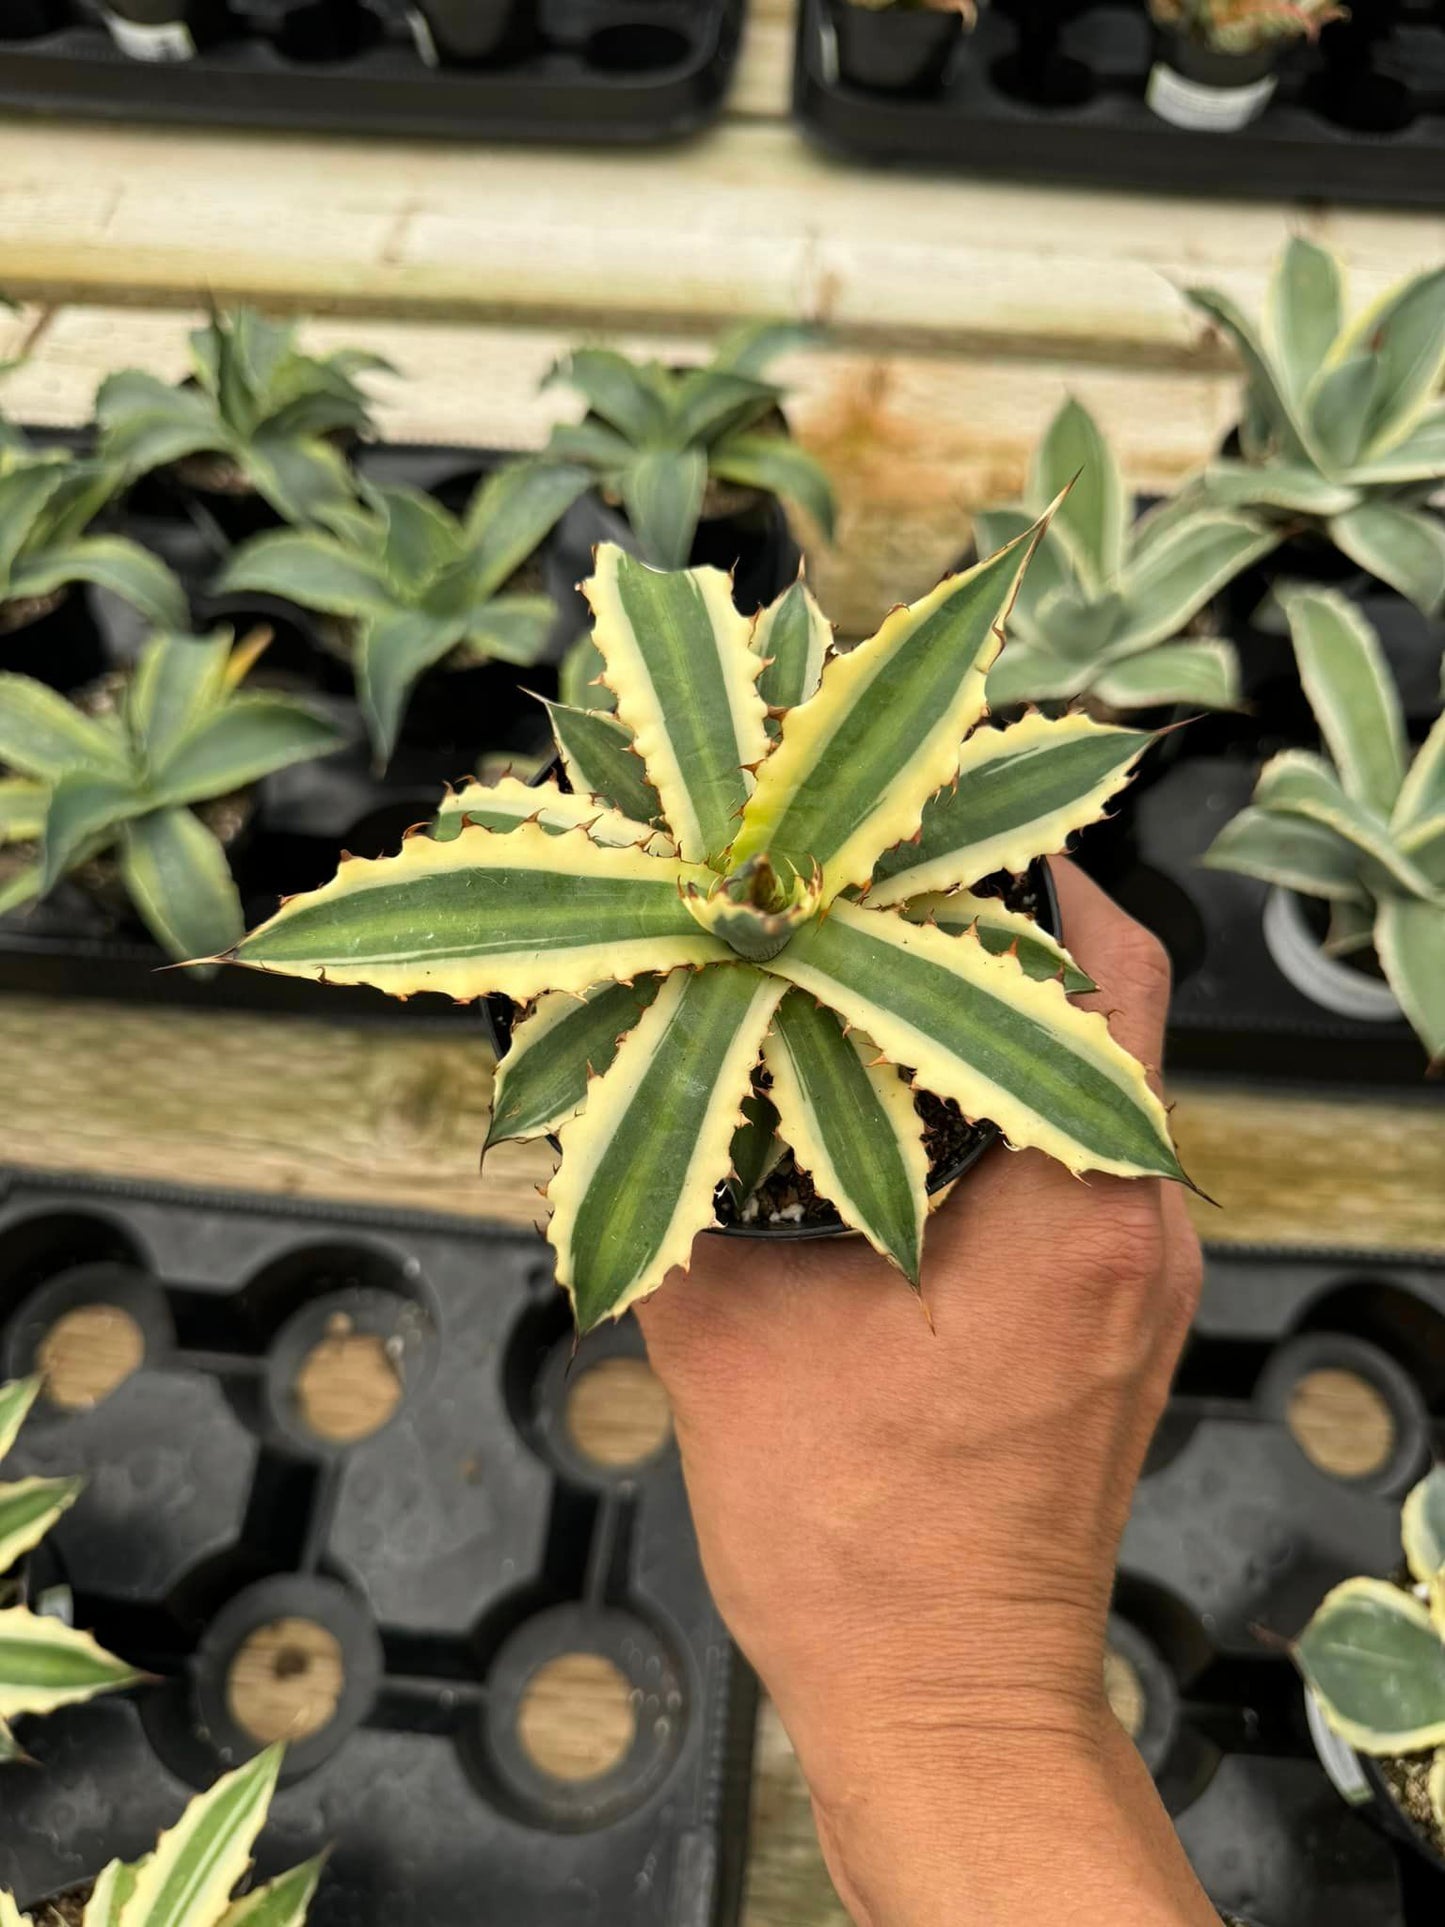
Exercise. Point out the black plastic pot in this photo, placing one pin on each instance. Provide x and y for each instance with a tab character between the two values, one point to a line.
1392	1819
1199	87
165	30
63	646
894	50
476	30
31	19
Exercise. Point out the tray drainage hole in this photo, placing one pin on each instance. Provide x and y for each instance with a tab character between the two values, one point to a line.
285	1681
617	1413
643	49
577	1719
1125	1693
1341	1423
87	1354
347	1386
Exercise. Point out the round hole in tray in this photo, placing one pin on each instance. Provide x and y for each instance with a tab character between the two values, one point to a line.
86	1331
1124	1691
87	1354
617	1413
326	31
1363	102
637	47
1057	82
347	1385
576	1720
1341	1422
285	1680
1356	1413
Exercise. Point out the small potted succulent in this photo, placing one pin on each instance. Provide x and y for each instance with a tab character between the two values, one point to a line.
135	793
1216	59
256	431
406	585
48	502
786	914
690	462
897	46
189	1877
1106	608
1354	845
164	29
1373	1658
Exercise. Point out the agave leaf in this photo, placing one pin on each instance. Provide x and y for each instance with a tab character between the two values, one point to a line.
110	562
978	1029
176	874
1204	673
422	539
542	1080
196	1863
24	492
83	806
677	656
305	481
748	348
793	637
1375	1662
312	569
517	913
601	762
838	789
756	1150
1091	516
1024	675
253	735
10	1914
1277	485
1296	783
579	680
1289	851
1047	572
502	805
28	1509
177	682
1171	581
1351	928
593	444
1422	1526
114	1885
1345	676
1000	929
853	1127
16	1399
1267	389
43	736
392	650
1410	939
1406	330
1075	628
281	1902
754	909
45	1663
1422	794
510	628
1404	547
512	513
711	402
775	463
1303	313
1021	792
616	389
641	1163
1420	457
22	809
145	422
662	491
1340	412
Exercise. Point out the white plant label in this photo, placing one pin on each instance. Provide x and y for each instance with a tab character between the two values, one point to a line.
421	33
169	41
1207	110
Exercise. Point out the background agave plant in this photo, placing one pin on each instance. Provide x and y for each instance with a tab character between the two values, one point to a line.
1374	1653
188	1878
47	504
264	409
1367	832
44	1663
654	436
418	584
1104	601
1239	26
181	734
702	890
1343	426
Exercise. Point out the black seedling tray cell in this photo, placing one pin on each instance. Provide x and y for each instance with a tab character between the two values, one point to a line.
451	1555
619	72
1054	90
1234	1538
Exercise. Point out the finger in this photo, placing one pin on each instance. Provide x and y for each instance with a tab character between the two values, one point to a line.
1126	961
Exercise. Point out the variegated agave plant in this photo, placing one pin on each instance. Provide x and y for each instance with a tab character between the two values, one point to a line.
1239	26
1374	1653
188	1878
1365	832
701	896
44	1663
1343	427
1102	607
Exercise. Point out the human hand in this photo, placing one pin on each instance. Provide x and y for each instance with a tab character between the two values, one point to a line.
912	1533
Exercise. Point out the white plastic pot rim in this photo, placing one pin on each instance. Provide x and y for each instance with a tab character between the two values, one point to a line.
1326	981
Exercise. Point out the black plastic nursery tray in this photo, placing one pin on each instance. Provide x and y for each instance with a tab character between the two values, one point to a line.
1235	1534
1055	90
452	1556
615	71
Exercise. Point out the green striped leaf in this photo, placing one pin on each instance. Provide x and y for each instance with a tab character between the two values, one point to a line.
616	389
1375	1661
1000	930
662	491
1205	674
1351	927
250	737
503	805
852	1125
1303	312
1276	485
1420	457
1268	392
509	628
601	762
1168	583
554	1052
1091	519
1403	547
1021	792
177	875
44	1664
1410	939
855	765
1296	783
776	464
110	562
678	659
1405	329
517	913
16	1399
1422	794
978	1029
311	569
28	1509
392	650
281	1902
1340	412
1048	571
1024	675
642	1161
196	1863
1344	674
114	1885
793	637
25	489
1422	1527
83	808
44	736
512	513
756	1149
177	682
1289	851
22	809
